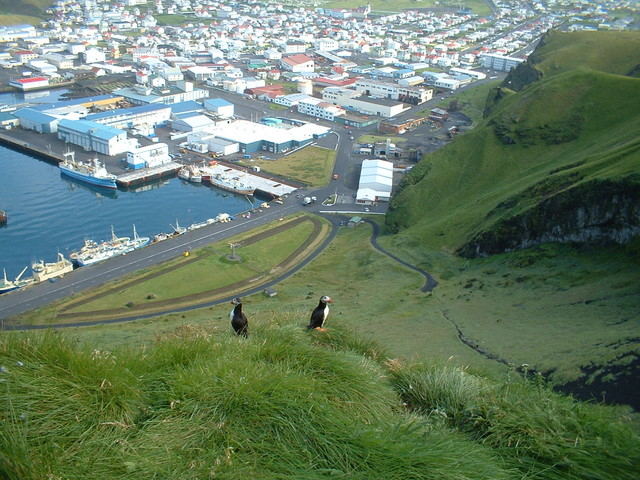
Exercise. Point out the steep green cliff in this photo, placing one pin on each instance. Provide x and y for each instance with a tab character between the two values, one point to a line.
556	158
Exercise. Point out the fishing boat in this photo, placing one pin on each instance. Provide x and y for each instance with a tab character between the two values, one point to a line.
9	285
137	241
44	271
92	172
3	217
178	230
190	173
230	183
93	252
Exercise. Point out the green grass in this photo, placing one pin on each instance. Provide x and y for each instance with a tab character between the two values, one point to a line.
12	19
275	106
479	7
211	270
471	101
574	128
204	276
285	403
379	138
611	52
166	19
311	165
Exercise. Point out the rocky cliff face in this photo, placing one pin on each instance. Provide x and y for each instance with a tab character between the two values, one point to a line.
593	212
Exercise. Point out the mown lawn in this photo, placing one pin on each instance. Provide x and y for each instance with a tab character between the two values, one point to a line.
311	165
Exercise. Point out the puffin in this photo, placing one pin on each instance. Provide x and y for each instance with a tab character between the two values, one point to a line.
238	318
320	314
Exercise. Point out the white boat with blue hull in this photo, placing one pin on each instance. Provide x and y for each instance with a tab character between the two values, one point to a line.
9	285
92	172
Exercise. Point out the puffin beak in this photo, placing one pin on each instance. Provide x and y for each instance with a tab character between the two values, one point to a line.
330	300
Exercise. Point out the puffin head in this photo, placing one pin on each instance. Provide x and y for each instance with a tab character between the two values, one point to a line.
236	301
326	299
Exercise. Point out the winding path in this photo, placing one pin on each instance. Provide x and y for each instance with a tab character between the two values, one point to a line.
429	284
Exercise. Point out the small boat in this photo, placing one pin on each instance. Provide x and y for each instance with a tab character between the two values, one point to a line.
178	230
44	271
231	184
195	226
3	217
9	285
160	237
138	242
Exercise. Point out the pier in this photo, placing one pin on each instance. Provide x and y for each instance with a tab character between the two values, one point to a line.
21	145
145	175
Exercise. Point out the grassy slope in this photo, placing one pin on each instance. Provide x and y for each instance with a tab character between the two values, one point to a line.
286	404
573	116
12	12
613	52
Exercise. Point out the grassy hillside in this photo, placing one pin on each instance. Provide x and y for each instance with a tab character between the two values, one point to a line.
287	403
32	8
559	140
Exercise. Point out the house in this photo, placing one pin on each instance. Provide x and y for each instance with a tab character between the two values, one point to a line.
297	63
318	108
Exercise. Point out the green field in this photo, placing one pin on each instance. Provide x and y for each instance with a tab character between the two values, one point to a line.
379	138
311	165
174	19
479	7
205	275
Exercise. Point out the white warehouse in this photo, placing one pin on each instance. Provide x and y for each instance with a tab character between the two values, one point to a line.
376	181
148	156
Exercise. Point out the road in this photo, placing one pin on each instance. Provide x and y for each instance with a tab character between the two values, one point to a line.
347	166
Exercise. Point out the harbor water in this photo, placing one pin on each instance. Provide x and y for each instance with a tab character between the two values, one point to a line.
49	213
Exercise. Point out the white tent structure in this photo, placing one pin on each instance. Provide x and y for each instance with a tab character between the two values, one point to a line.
376	181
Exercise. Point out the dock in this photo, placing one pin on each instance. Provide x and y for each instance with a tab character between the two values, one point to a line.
144	175
261	185
16	143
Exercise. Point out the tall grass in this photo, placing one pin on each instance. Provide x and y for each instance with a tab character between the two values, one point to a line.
196	405
285	403
544	434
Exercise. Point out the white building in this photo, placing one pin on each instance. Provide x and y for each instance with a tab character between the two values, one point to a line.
219	107
393	91
43	67
94	55
318	108
64	62
500	62
152	115
290	100
213	143
193	123
326	44
149	156
94	137
297	63
471	73
376	182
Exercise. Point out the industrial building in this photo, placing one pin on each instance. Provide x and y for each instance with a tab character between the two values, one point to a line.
213	143
149	156
219	107
31	83
141	95
95	137
32	119
152	115
254	137
376	182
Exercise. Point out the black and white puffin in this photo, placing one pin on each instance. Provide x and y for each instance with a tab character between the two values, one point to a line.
320	314
238	318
